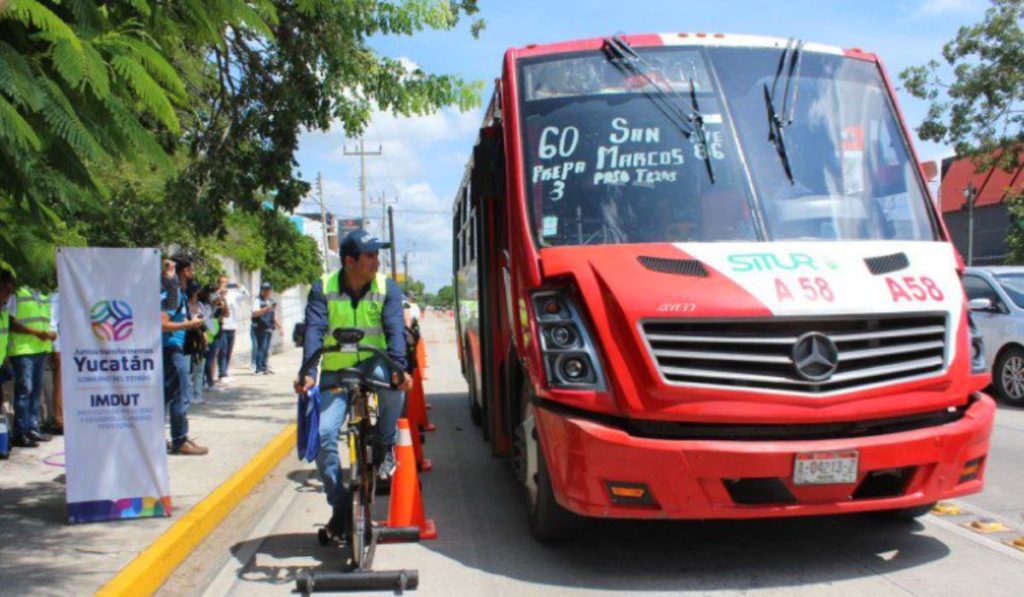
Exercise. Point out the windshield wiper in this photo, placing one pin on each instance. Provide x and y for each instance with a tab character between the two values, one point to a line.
690	121
778	120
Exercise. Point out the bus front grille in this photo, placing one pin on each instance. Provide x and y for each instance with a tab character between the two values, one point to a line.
810	355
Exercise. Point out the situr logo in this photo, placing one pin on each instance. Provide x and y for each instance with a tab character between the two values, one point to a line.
766	262
111	320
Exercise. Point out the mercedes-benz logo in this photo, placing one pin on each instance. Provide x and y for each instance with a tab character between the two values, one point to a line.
815	356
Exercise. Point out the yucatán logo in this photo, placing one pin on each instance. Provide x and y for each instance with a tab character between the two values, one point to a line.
815	356
112	320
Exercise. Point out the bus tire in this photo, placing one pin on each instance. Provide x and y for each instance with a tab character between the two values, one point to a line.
549	521
475	412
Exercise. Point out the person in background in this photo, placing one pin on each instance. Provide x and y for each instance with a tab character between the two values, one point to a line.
214	320
31	342
264	322
174	322
229	325
52	398
6	290
196	345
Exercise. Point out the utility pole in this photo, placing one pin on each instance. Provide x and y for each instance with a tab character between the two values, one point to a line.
323	218
391	237
362	153
405	266
970	194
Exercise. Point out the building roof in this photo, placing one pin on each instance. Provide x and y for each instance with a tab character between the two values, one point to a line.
992	185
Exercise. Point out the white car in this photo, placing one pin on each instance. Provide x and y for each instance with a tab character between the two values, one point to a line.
1001	323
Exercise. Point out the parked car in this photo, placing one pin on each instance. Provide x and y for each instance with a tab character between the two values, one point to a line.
996	294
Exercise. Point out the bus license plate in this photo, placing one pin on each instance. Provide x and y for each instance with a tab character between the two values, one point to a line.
825	468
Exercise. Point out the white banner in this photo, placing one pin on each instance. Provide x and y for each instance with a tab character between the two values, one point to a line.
112	373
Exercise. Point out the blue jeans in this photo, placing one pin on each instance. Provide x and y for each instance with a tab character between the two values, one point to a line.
196	368
28	385
260	349
212	355
226	348
333	408
177	392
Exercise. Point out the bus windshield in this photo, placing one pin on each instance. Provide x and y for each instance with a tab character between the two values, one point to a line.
611	155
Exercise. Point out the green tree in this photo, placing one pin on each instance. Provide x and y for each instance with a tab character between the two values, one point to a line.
188	107
445	297
292	258
980	112
87	87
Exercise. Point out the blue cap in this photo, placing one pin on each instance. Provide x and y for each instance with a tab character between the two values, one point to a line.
361	241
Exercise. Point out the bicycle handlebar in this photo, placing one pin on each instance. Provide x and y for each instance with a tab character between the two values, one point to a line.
393	367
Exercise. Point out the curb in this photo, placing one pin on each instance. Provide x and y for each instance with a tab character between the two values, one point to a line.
148	571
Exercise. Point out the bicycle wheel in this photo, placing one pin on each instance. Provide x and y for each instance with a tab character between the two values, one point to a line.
361	526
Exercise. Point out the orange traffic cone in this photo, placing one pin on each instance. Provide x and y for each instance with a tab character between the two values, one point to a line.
412	414
419	402
422	462
421	362
406	507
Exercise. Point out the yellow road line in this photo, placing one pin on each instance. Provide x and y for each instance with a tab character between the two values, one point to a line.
145	574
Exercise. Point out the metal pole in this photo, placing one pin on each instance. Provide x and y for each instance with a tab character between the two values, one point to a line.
362	153
323	220
970	229
391	237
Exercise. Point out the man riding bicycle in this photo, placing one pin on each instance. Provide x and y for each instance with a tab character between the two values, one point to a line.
356	296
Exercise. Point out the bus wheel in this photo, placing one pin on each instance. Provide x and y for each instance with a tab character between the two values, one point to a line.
475	412
549	522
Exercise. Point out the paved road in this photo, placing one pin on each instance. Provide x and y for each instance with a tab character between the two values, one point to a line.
484	548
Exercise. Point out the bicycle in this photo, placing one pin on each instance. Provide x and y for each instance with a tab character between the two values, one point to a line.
361	538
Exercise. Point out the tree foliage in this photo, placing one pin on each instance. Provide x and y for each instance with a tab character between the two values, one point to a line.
979	112
137	122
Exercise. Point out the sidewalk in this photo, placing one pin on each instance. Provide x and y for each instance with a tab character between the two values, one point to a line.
40	554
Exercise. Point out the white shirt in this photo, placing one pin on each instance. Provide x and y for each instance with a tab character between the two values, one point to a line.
233	299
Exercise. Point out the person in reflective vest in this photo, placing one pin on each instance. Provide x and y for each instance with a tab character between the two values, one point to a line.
355	296
6	290
31	341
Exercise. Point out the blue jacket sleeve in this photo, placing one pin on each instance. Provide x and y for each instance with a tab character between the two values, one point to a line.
316	323
394	323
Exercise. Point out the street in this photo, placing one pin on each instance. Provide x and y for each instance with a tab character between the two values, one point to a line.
484	547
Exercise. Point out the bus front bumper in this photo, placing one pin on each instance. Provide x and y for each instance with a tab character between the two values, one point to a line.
602	471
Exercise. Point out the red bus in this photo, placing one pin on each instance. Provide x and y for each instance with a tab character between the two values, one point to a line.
701	276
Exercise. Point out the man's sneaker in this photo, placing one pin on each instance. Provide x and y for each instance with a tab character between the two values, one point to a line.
38	437
388	465
226	379
336	525
191	448
24	441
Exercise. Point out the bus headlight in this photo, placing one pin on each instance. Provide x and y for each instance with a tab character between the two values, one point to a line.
570	360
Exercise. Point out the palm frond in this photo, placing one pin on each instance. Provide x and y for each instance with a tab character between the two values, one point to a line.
15	129
147	90
17	80
35	15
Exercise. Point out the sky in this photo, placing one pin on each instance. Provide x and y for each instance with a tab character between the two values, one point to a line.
423	159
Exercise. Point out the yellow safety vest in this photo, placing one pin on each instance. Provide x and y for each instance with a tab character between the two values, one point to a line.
5	327
367	317
33	311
